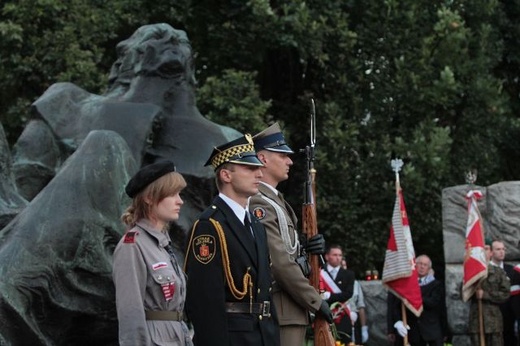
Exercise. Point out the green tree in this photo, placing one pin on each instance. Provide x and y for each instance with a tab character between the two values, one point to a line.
434	83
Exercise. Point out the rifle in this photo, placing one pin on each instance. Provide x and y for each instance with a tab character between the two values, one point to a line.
322	330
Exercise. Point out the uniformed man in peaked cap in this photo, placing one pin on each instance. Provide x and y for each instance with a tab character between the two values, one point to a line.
293	295
227	258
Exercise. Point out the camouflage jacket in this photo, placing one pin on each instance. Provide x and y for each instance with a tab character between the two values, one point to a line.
496	290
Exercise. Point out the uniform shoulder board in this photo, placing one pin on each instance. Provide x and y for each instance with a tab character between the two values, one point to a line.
208	213
130	237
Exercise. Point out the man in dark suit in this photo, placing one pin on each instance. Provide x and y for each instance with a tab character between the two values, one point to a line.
227	259
338	286
428	329
498	254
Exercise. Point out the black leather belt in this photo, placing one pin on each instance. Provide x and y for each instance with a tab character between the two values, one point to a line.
263	309
164	315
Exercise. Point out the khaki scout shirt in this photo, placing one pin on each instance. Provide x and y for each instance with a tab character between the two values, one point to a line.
141	267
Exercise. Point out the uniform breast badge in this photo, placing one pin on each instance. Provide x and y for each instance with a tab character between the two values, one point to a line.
259	212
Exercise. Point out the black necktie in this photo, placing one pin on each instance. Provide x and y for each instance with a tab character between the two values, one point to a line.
169	249
247	224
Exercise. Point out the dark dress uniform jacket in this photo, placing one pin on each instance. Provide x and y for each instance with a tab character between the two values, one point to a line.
208	287
345	281
430	325
508	314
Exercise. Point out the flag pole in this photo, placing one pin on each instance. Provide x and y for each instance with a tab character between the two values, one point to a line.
396	166
405	322
471	178
480	320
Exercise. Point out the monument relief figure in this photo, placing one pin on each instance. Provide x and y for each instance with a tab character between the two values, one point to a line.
151	96
72	162
11	203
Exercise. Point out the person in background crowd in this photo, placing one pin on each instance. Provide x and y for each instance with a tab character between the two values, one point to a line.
427	329
338	285
357	305
227	258
344	263
293	295
150	285
493	290
498	254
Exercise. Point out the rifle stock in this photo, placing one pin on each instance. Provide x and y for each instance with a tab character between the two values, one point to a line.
322	333
322	330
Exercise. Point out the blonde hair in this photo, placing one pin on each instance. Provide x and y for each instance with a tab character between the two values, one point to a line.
167	185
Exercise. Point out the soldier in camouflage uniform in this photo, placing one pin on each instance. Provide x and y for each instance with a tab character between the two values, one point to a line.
494	289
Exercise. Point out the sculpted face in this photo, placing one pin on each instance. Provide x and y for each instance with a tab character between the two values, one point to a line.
153	50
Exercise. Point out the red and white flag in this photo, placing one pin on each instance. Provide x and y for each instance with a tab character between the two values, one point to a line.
399	273
475	263
515	282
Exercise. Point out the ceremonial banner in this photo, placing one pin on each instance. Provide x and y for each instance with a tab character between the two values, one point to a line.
515	281
475	263
399	273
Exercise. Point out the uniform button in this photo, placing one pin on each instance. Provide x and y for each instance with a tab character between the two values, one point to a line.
258	291
270	289
213	207
169	278
260	317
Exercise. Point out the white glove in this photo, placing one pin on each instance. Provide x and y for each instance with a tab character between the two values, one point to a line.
325	295
353	317
401	328
364	334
